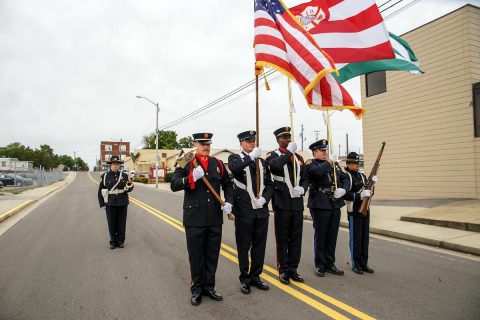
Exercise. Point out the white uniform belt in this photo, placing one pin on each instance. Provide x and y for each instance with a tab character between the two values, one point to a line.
278	178
239	184
116	191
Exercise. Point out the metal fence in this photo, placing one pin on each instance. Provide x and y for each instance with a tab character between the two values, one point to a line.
30	178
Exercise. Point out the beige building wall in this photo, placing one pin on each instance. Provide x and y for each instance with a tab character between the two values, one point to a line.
427	120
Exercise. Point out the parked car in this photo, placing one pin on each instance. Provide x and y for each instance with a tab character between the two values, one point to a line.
7	180
23	181
1	184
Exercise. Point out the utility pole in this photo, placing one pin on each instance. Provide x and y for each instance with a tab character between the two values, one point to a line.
339	149
75	160
347	143
316	134
301	136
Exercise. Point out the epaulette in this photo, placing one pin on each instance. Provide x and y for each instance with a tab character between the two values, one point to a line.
309	161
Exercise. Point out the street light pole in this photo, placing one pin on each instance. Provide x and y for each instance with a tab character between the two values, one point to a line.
156	138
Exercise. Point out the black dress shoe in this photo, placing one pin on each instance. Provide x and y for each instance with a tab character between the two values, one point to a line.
112	246
357	270
334	270
196	299
245	288
296	277
320	272
213	295
120	245
283	277
260	285
367	269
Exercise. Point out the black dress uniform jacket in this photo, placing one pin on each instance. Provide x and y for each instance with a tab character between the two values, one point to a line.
320	175
200	207
114	200
281	195
358	182
242	202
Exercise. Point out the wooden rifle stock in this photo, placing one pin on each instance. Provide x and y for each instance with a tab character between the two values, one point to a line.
365	206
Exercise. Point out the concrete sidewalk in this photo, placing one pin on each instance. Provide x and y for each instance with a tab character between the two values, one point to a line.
386	219
11	204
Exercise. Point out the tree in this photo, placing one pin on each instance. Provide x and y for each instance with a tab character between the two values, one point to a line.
167	139
185	142
134	158
67	162
81	165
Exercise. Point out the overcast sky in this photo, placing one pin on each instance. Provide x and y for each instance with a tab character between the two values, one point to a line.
70	71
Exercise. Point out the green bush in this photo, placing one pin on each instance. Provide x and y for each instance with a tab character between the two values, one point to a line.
141	180
168	177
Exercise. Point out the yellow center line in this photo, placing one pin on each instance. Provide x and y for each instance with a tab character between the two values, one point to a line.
273	280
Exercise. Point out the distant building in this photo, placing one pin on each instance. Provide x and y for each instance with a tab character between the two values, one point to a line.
14	165
430	122
113	148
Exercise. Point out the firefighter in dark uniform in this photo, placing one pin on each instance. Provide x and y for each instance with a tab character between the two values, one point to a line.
357	222
288	204
113	195
251	210
325	202
202	215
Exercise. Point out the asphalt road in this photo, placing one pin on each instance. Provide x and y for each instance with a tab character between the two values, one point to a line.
55	264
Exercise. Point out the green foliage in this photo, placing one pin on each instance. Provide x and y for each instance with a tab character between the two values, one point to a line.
43	157
141	180
167	139
185	142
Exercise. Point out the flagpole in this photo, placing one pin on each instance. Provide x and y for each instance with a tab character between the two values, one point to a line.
257	112
330	144
290	101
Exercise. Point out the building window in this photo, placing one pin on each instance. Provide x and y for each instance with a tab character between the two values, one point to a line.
375	83
164	155
4	163
122	157
123	148
107	157
476	109
108	147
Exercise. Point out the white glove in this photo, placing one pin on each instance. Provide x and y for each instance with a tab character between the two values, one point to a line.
298	191
256	153
375	179
339	193
292	147
259	202
365	193
198	173
227	208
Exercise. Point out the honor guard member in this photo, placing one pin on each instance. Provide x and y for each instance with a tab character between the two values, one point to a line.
202	215
251	210
357	222
325	203
113	195
287	204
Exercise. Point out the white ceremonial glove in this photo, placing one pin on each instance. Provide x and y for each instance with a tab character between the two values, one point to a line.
131	176
298	191
340	192
375	179
198	173
365	193
256	153
227	208
292	147
259	202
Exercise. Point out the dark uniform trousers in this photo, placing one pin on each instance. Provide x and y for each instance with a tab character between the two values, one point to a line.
251	225
203	219
288	212
359	237
117	221
251	235
325	210
359	224
203	244
116	208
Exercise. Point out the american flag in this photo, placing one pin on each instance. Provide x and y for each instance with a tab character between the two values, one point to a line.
281	42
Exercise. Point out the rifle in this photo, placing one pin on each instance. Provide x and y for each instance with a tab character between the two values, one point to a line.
370	184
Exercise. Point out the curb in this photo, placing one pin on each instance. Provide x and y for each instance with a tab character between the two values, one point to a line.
444	244
466	226
16	210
